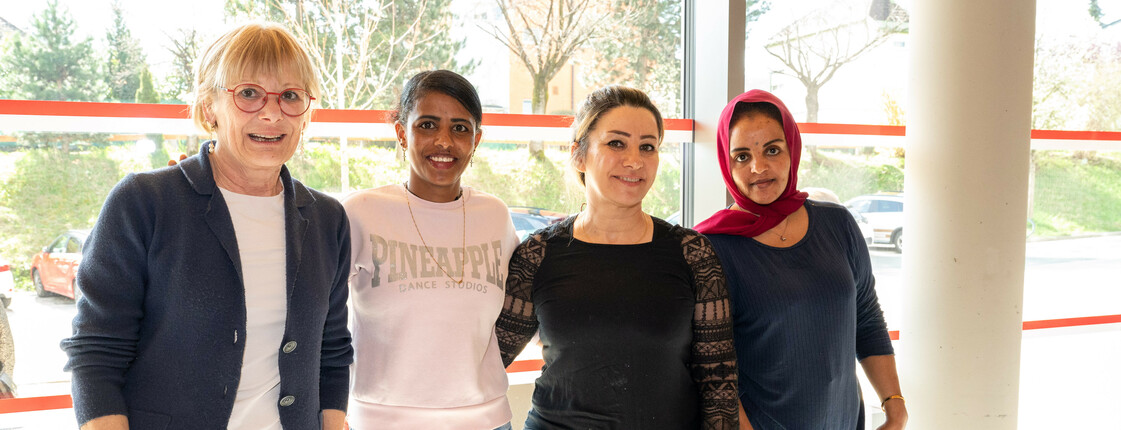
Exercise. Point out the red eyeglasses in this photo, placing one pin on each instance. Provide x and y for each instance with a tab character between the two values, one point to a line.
252	98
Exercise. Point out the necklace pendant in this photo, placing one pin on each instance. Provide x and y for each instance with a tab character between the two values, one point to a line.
783	238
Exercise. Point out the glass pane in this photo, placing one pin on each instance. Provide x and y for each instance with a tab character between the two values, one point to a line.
55	178
1073	180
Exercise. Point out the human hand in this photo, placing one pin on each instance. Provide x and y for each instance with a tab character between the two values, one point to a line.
745	424
108	422
896	416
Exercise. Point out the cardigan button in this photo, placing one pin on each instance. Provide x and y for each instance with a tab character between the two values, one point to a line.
287	400
289	347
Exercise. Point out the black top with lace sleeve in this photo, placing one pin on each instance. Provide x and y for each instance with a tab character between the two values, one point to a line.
634	336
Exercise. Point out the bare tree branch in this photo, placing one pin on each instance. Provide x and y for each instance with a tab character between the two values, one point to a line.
813	57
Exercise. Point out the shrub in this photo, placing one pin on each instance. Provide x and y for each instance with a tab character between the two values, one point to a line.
51	191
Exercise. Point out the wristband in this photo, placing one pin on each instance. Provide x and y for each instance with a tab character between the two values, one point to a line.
894	396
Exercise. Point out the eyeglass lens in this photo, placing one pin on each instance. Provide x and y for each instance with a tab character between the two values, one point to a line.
252	98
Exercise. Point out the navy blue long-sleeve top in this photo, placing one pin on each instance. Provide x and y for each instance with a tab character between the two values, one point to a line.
802	316
160	330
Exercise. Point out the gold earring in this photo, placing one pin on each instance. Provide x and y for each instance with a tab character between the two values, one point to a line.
210	148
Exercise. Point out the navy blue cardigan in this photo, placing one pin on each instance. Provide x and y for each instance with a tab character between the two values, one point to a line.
160	330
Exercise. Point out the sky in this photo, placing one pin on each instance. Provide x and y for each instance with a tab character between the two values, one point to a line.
148	20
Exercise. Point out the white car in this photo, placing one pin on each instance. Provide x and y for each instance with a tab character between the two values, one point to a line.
827	195
7	283
884	213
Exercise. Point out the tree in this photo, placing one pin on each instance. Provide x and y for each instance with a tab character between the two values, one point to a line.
146	93
544	36
365	49
126	59
644	50
1099	16
47	64
1077	85
1059	78
755	10
146	90
179	86
814	47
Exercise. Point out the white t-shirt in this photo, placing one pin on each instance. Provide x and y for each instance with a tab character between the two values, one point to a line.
425	353
259	227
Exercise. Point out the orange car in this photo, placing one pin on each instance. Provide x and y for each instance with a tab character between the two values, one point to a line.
54	269
7	283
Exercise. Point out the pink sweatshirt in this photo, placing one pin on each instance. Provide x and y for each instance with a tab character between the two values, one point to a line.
425	353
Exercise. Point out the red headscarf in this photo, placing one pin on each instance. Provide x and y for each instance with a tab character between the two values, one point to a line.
758	218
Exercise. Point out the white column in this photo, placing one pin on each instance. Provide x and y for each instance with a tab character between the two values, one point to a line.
715	75
968	140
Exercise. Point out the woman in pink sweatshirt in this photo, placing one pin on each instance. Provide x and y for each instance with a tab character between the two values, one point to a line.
428	275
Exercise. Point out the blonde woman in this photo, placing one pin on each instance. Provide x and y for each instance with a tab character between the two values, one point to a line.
214	291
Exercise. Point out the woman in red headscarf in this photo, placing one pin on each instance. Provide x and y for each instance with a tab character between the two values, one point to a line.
800	281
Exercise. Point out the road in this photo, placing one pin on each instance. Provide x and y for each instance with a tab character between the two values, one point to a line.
1063	279
38	324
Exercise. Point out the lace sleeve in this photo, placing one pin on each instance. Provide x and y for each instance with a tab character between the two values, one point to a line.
517	323
714	357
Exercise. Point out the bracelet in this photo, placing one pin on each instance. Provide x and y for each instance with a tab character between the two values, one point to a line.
891	397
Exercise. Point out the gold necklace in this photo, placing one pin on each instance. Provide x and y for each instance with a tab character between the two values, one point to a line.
463	260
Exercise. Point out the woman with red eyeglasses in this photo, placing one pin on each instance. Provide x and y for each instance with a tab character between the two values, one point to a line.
214	291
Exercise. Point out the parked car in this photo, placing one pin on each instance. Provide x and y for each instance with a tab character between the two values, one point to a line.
674	218
827	195
865	228
528	220
884	213
53	271
7	283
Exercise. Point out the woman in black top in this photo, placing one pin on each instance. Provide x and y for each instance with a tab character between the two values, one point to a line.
632	311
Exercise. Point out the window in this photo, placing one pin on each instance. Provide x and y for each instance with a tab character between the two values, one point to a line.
72	246
1074	145
57	171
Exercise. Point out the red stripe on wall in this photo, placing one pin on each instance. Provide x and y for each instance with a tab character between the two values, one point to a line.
859	129
31	404
1075	135
110	110
350	115
177	111
525	366
1072	322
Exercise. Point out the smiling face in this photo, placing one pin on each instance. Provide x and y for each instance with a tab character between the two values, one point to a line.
259	141
621	162
760	159
439	136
